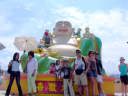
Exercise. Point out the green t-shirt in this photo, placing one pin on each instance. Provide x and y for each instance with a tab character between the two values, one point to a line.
123	69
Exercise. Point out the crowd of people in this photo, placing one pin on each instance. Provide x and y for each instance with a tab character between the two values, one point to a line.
85	69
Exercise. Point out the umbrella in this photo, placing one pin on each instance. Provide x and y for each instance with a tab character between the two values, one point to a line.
1	46
25	43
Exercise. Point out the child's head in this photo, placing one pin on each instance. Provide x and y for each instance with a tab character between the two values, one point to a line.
52	64
57	62
65	62
122	59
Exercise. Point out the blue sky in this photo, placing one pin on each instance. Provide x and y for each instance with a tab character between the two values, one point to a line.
107	19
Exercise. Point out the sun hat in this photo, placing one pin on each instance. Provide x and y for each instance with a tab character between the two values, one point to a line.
122	58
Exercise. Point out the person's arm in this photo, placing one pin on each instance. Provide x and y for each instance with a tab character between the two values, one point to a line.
35	65
10	63
100	64
71	74
127	67
50	69
87	64
34	72
96	66
73	69
119	67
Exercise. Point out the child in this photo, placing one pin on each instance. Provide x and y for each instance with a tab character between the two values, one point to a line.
123	75
67	82
52	69
57	67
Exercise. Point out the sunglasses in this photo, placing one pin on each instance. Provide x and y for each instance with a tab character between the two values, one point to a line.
78	52
122	59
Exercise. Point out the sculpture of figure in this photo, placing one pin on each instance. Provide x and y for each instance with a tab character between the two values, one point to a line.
78	32
73	33
47	38
62	32
90	42
62	42
87	33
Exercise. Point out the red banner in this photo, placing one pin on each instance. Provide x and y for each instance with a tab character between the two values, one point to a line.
49	87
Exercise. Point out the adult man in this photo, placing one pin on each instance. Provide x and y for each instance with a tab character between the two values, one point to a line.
81	69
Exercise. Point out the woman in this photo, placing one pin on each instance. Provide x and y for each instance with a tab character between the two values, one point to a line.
15	74
92	72
32	66
123	68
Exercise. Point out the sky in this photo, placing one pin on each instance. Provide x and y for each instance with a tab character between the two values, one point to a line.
107	19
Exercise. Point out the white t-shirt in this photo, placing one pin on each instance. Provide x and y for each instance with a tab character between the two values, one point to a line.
57	67
79	64
15	65
31	66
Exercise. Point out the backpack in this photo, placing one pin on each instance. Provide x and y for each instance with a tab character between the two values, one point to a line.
10	67
80	71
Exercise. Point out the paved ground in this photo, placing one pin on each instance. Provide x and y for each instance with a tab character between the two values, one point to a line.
2	93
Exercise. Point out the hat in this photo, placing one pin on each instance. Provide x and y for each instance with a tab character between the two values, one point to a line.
122	58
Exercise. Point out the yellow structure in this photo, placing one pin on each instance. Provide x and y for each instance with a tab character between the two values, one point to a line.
48	85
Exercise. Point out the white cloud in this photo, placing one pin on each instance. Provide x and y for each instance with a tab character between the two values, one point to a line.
5	25
114	20
110	26
7	53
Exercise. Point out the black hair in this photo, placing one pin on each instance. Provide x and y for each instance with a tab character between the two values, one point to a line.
97	53
90	52
31	53
14	56
57	62
52	63
78	51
